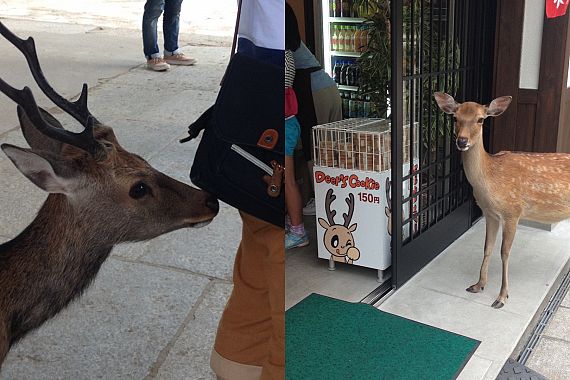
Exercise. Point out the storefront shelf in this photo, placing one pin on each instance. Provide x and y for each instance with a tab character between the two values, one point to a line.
347	88
353	20
345	54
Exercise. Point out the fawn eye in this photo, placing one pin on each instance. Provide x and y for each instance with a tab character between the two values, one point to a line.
139	190
349	243
480	121
334	241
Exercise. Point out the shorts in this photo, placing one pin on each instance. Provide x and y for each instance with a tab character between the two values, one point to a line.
292	132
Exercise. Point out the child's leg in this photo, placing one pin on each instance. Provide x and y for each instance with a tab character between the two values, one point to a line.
292	194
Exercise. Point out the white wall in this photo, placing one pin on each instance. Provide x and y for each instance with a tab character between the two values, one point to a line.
531	44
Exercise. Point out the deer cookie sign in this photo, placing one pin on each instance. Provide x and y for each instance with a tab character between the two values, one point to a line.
338	238
351	224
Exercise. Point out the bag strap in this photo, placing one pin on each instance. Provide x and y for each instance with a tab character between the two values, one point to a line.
234	43
236	29
200	124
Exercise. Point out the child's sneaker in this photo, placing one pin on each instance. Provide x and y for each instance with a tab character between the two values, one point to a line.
292	240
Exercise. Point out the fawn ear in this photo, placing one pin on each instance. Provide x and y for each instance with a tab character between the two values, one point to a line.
446	102
498	106
323	223
34	137
353	227
46	172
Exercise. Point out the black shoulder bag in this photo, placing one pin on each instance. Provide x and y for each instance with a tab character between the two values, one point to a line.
241	154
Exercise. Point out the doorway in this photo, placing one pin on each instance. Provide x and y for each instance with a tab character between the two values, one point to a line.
440	45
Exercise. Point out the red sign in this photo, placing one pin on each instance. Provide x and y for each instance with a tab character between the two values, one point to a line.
556	8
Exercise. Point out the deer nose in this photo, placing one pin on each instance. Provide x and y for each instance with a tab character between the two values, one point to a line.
462	142
213	204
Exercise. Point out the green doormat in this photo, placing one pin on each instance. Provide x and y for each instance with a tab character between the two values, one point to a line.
330	339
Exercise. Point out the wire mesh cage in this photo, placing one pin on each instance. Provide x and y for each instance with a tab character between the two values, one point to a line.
359	144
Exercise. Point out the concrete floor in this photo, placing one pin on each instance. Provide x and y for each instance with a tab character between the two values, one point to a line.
551	356
436	295
153	310
305	273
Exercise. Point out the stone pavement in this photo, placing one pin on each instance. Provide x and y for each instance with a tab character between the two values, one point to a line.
152	312
551	356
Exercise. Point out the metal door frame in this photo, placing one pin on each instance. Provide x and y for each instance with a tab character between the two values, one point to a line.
452	213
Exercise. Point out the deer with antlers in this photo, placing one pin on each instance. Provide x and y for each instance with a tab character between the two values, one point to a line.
99	195
338	238
508	186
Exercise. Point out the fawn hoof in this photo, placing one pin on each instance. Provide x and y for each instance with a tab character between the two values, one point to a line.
475	288
497	304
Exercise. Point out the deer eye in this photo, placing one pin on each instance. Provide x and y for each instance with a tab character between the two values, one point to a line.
334	241
139	190
349	243
480	121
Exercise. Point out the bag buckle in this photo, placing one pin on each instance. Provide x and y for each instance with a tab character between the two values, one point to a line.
274	181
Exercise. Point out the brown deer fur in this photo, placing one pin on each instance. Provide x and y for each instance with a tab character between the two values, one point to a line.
88	211
508	186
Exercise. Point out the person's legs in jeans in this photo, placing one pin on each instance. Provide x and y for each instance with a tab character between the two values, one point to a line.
250	343
152	11
171	25
171	28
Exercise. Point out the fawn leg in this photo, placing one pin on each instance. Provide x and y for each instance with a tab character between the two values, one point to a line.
509	230
492	227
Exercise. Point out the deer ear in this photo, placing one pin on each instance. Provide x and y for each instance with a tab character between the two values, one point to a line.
446	102
498	106
35	138
353	227
323	223
43	170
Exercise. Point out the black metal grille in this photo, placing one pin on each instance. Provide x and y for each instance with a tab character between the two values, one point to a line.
438	45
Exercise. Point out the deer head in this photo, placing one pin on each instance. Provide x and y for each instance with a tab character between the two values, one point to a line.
338	238
116	192
469	117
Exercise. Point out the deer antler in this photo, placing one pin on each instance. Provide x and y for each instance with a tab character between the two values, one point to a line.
350	203
330	197
25	99
77	109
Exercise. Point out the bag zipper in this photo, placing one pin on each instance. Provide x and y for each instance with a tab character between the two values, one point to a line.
254	160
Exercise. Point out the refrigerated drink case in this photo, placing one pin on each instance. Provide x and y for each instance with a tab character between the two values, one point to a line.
344	39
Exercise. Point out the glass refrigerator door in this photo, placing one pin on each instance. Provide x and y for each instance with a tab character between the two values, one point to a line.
344	37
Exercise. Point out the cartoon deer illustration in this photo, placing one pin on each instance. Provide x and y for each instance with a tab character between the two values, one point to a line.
508	186
338	238
99	195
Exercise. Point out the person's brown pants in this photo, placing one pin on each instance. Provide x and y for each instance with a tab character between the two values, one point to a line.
250	343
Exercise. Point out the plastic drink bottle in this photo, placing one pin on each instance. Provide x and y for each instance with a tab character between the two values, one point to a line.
334	38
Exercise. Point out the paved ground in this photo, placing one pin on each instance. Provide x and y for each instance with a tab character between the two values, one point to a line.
436	295
551	356
153	310
154	307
